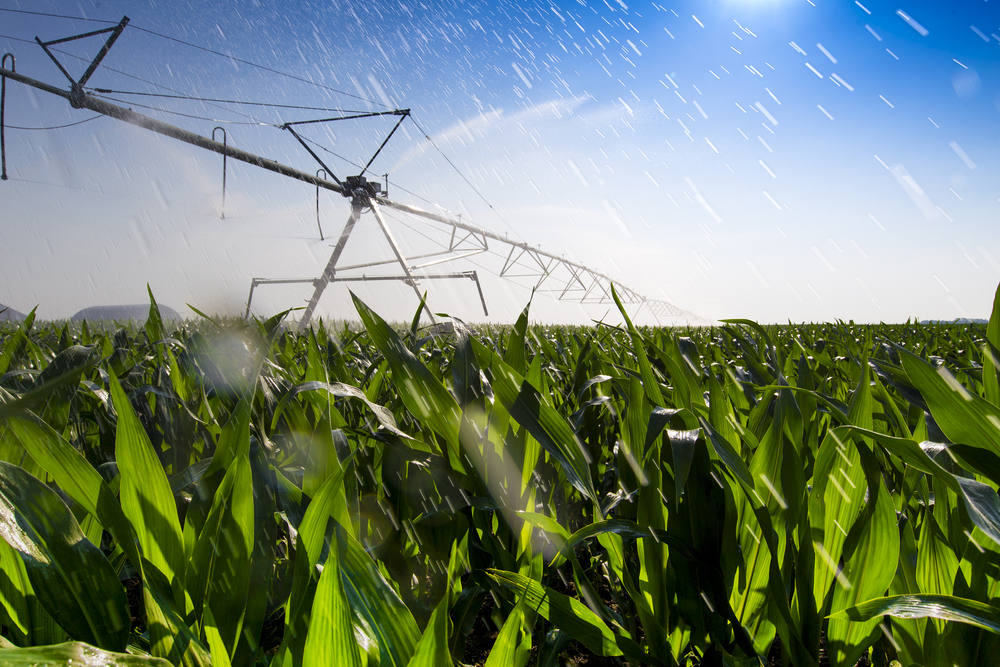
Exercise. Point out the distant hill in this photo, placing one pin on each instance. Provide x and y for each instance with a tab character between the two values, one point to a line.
8	314
131	312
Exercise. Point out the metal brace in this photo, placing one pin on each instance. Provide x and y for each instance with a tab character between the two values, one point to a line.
77	93
3	104
225	143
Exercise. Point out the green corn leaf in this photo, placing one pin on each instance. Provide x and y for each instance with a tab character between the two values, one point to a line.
734	464
146	497
937	564
980	500
54	388
178	380
991	364
60	381
77	654
532	411
330	638
219	570
30	623
70	576
376	605
203	315
432	649
154	321
516	353
649	382
566	613
328	503
546	523
628	530
377	609
964	417
340	390
15	590
835	503
871	555
170	636
75	477
753	586
512	647
235	436
422	393
943	607
14	345
682	448
220	654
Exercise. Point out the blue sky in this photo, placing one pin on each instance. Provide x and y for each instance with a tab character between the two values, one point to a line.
774	159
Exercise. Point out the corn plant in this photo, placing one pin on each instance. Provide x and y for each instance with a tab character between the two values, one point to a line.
239	493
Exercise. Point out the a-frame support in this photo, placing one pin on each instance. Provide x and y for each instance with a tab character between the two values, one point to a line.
363	197
330	272
361	200
397	252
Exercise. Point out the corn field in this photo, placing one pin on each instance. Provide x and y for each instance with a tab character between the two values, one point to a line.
239	493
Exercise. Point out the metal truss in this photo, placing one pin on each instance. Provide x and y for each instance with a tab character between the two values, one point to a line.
552	274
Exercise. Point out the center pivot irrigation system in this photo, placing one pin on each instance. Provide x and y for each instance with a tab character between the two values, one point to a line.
565	279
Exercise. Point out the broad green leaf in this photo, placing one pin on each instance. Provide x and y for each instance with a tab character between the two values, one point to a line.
980	500
75	477
77	654
328	503
964	417
533	412
330	639
649	383
154	321
70	576
14	344
234	440
422	393
515	354
752	586
340	390
628	530
55	386
682	448
432	649
512	647
566	613
60	379
15	589
220	654
146	497
871	555
377	608
991	364
546	523
937	564
219	570
943	607
376	605
838	494
30	623
735	465
170	636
